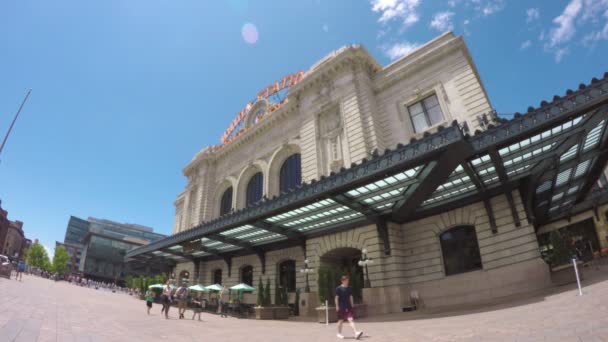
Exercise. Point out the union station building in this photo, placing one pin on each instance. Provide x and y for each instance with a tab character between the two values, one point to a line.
405	164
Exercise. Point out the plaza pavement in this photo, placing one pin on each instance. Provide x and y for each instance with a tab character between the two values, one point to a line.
43	310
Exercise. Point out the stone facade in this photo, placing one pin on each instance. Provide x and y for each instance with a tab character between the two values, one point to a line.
12	238
346	106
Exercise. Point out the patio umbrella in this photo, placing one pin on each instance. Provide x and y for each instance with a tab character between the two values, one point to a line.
214	287
160	286
199	288
242	288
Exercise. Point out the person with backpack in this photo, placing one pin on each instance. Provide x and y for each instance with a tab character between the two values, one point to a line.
182	299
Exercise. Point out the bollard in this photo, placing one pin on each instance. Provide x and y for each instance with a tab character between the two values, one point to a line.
578	280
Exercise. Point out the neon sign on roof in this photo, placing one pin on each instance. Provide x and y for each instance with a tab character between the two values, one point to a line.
280	87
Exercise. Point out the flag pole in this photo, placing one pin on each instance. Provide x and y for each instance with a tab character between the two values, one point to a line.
14	120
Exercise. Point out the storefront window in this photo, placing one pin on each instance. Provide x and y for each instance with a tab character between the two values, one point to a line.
287	275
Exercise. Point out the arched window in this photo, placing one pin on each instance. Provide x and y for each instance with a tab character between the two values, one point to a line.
287	275
247	275
460	250
226	202
291	173
255	188
217	276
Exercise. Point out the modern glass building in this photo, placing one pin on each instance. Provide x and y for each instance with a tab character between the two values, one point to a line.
102	244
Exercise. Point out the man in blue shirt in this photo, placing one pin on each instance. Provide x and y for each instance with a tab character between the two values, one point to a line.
344	307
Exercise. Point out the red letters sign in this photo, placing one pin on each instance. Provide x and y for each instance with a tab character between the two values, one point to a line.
236	127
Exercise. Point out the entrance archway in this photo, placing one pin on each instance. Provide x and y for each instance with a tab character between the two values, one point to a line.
336	263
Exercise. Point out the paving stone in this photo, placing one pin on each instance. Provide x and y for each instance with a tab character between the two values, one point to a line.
42	310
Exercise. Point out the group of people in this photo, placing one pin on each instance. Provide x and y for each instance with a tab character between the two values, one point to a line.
344	304
180	295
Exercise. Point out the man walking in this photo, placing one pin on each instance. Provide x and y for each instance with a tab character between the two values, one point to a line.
20	270
182	299
344	307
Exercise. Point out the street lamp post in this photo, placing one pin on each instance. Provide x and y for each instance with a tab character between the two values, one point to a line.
363	263
306	270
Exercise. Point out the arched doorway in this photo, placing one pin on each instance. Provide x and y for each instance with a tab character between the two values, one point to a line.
336	263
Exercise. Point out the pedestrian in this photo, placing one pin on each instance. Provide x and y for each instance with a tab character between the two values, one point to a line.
182	299
344	307
166	299
20	270
149	299
198	306
220	303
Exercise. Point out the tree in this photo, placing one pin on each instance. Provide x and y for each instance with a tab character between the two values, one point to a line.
267	293
60	260
37	257
260	300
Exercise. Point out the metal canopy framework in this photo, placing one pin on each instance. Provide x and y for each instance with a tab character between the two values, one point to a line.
553	155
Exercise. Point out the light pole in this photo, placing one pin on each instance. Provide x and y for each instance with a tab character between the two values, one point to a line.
364	262
306	271
10	128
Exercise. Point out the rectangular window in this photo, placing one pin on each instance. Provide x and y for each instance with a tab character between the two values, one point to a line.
425	113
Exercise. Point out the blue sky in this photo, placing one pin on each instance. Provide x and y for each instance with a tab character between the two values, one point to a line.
126	92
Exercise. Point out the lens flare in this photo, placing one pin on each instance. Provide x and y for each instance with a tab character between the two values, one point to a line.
249	33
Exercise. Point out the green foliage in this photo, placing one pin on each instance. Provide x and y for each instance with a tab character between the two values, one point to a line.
267	301
322	284
37	257
277	293
260	300
562	250
60	260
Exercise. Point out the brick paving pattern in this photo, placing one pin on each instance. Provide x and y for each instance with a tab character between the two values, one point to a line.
42	310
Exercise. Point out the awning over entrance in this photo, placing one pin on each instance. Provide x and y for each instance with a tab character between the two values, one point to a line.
553	154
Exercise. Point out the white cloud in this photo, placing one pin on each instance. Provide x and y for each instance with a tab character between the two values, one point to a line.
490	7
442	21
50	252
399	50
565	24
532	14
325	28
559	54
452	3
405	11
526	44
596	36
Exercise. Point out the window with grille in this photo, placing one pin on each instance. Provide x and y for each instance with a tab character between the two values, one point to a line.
255	189
217	276
287	275
226	202
425	113
247	275
460	250
291	173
